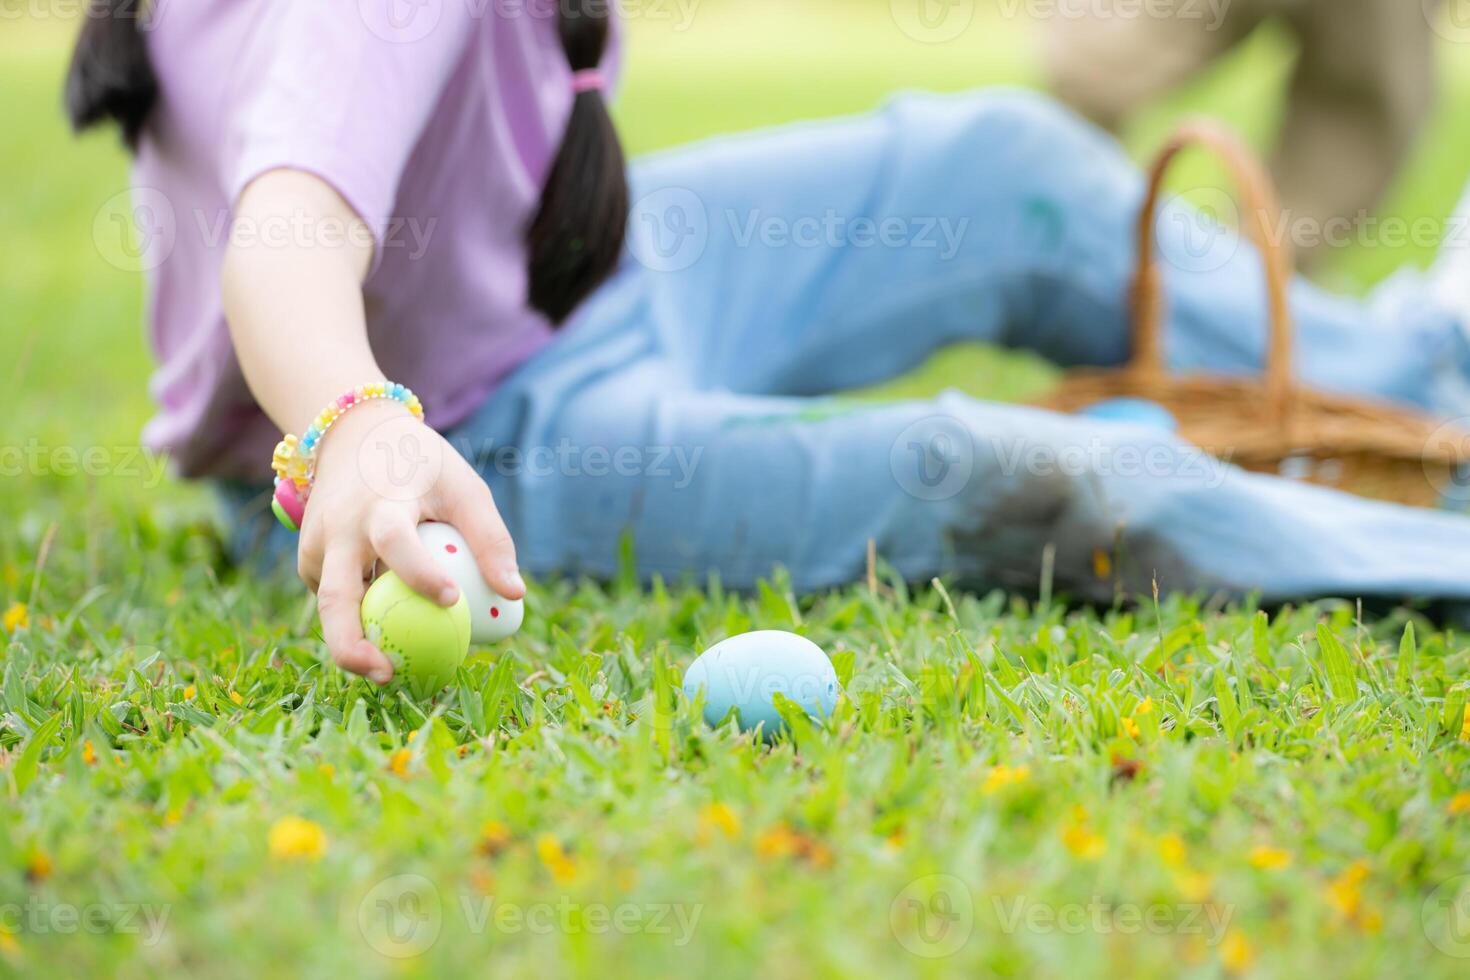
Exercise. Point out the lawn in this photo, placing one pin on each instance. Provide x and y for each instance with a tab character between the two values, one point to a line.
1009	785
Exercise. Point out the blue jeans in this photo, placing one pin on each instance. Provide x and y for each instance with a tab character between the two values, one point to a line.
691	402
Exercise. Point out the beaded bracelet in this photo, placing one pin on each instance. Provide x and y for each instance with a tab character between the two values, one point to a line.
294	460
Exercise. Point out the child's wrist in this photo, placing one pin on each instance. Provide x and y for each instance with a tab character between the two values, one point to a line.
352	429
296	459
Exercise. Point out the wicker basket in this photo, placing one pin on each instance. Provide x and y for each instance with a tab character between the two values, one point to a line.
1268	424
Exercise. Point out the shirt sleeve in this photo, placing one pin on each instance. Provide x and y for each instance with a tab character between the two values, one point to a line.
343	89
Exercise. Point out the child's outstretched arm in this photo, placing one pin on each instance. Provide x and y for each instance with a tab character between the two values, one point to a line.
295	308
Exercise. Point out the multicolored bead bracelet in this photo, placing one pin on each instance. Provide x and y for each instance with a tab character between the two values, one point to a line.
294	460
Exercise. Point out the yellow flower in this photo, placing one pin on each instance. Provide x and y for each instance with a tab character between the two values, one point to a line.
413	734
1171	850
717	817
1460	803
16	617
1144	707
235	697
781	841
1270	858
1345	892
398	762
819	854
1102	563
1000	777
1194	886
494	835
1236	954
89	754
562	866
8	944
1465	726
1084	842
39	866
460	751
296	838
778	841
189	692
1130	727
172	816
327	769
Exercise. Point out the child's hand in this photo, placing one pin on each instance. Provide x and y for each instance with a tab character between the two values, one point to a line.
380	474
296	316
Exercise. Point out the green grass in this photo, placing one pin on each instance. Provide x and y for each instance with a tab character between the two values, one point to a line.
1288	801
161	726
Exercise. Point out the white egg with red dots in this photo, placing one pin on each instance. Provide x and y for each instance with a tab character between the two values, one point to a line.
493	617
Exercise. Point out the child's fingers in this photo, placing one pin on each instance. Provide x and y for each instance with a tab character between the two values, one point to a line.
366	660
309	561
475	516
339	603
397	543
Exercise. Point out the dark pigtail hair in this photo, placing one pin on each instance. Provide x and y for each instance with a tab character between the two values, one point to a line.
110	79
576	238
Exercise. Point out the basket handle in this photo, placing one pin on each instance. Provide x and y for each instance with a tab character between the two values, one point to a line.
1262	211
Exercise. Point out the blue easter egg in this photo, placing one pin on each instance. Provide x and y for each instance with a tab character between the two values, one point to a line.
746	671
1135	411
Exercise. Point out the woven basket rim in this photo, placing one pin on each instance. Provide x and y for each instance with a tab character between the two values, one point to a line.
1321	425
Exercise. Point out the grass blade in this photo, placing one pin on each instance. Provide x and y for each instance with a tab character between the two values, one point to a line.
1341	676
1408	651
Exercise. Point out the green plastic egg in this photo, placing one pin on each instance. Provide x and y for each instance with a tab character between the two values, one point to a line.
426	642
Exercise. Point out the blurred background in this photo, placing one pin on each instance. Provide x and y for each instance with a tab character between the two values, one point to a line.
70	311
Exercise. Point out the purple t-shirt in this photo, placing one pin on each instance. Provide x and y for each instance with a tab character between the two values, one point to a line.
437	120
